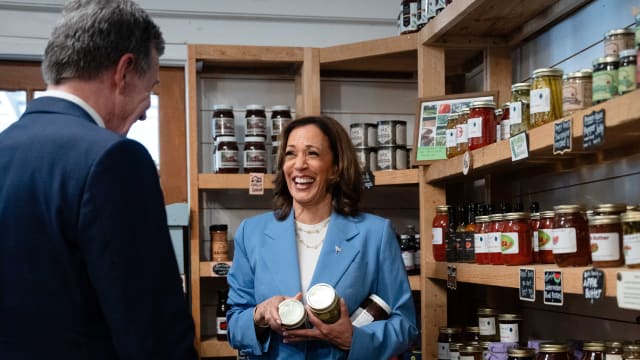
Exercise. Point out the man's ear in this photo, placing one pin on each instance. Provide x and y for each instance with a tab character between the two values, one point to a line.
124	70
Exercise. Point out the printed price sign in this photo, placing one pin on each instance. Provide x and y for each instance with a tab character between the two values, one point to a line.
519	146
553	294
527	284
593	130
562	136
452	277
368	179
593	284
628	289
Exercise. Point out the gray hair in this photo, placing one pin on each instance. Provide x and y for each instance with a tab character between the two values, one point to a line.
92	36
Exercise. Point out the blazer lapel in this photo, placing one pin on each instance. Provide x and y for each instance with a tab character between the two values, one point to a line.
338	251
280	254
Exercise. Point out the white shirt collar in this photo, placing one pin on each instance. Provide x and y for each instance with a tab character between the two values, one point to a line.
78	101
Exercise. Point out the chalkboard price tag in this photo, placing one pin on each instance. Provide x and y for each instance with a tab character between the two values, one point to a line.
593	130
220	269
452	277
553	294
562	136
527	284
368	179
593	284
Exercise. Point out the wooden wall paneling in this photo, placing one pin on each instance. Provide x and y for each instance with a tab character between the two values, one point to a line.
307	84
497	73
431	71
21	76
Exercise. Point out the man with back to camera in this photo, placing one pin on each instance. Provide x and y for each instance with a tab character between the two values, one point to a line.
87	269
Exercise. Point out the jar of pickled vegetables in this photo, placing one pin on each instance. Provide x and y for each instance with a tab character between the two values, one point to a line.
519	109
605	78
546	96
631	238
576	91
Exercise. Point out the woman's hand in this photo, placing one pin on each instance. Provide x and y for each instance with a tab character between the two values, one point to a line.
339	333
266	315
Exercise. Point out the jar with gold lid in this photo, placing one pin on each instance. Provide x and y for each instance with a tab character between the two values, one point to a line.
627	71
515	239
481	124
571	244
605	233
553	351
450	142
462	132
446	336
631	351
576	91
593	350
631	238
519	108
454	350
545	237
509	325
616	40
609	209
613	350
471	335
470	352
605	79
324	302
519	353
488	324
546	96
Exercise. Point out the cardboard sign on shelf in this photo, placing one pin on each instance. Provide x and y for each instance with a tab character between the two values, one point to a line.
628	290
553	293
519	146
562	136
593	130
256	184
368	179
527	284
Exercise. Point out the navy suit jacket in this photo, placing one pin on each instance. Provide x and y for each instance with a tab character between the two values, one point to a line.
360	256
87	269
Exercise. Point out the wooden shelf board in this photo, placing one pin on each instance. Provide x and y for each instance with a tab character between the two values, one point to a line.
396	177
622	128
509	276
246	54
229	181
212	347
414	282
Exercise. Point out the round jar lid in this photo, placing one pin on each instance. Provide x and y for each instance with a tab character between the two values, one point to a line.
442	208
614	32
606	60
455	346
521	86
547	72
470	348
222	107
567	209
586	73
453	116
383	304
604	219
506	105
553	347
509	317
613	344
280	108
255	107
516	216
630	216
547	214
487	311
632	347
535	216
482	104
521	352
321	296
465	111
496	217
472	329
627	53
482	219
291	312
447	330
593	346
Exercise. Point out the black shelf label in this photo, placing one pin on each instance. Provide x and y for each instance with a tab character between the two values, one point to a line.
593	284
562	136
553	294
593	130
527	284
368	179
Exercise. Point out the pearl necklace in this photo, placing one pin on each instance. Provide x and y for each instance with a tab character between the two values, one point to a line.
312	230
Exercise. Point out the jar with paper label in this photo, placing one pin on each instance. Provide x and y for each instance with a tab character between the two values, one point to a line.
280	117
571	244
545	237
222	121
462	134
454	350
609	209
487	322
519	108
494	239
480	238
516	239
219	244
553	351
546	96
627	71
439	228
255	120
576	91
226	159
605	232
605	79
505	123
617	40
593	350
631	238
509	325
452	146
255	155
481	125
613	350
447	336
373	308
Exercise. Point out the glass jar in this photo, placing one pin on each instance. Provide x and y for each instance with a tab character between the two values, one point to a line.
454	350
226	159
627	71
487	324
222	121
605	79
571	245
593	350
545	237
462	134
373	308
534	224
546	96
515	239
472	335
609	209
494	241
439	228
280	117
274	156
255	120
605	233
505	122
255	155
631	351
553	351
324	303
498	113
219	244
576	91
509	325
519	111
292	314
363	134
631	238
452	146
521	354
480	238
446	336
470	352
481	125
613	350
617	40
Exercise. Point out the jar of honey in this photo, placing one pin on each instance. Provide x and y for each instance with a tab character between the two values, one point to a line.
631	238
546	96
481	124
571	244
439	229
605	233
545	237
516	239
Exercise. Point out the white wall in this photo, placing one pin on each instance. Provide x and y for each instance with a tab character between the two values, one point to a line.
25	25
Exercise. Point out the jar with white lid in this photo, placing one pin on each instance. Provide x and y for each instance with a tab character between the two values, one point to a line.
373	308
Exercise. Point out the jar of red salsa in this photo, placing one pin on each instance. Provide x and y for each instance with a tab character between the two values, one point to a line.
481	125
545	237
439	229
495	232
516	239
571	244
534	223
481	239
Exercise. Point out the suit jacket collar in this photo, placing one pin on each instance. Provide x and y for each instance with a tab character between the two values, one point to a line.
50	104
338	252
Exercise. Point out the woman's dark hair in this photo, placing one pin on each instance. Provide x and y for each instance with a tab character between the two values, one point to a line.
346	189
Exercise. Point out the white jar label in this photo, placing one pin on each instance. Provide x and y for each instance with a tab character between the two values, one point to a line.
474	127
534	242
221	325
226	159
256	125
357	135
494	245
384	159
255	158
509	333
509	243
361	318
480	243
545	239
223	126
631	247
454	354
443	351
487	325
605	246
467	357
461	134
384	134
505	129
540	100
564	241
437	236
613	357
451	137
515	113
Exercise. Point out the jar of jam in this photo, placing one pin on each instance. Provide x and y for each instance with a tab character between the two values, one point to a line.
372	309
274	156
617	40
280	117
255	155
496	222
593	350
324	302
613	350
462	134
505	122
609	209
509	325
545	237
226	159
439	229
446	336
480	238
535	225
571	245
452	146
472	335
256	120
605	232
576	91
481	125
292	313
519	109
631	351
546	96
553	351
454	350
222	121
519	353
605	78
487	324
471	352
627	71
631	238
516	239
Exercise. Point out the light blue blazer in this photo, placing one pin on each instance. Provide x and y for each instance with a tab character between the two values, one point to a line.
360	256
